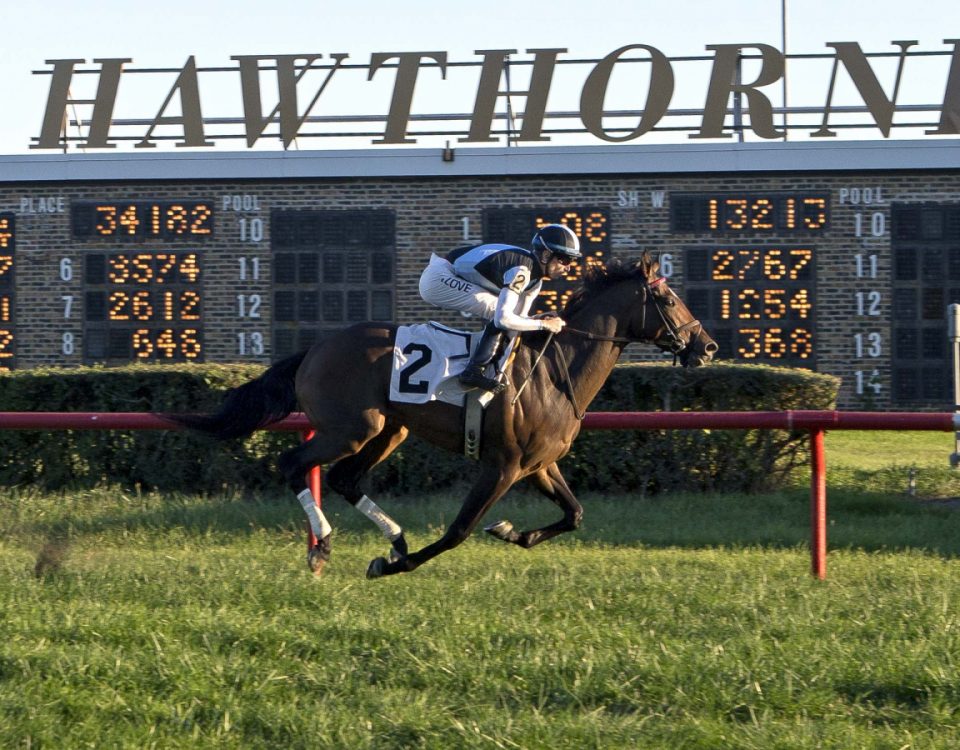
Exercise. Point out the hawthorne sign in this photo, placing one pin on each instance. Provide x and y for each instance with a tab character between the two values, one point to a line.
748	75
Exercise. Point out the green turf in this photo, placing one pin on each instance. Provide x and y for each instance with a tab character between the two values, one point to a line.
881	449
140	621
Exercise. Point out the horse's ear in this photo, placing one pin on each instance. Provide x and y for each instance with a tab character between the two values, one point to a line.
650	266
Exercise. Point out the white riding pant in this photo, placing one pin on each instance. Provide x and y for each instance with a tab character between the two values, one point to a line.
440	286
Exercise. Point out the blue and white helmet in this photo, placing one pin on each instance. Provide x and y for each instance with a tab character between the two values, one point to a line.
558	239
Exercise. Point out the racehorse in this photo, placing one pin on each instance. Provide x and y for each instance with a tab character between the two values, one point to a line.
342	384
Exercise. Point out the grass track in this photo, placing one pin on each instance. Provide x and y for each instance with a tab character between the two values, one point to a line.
675	622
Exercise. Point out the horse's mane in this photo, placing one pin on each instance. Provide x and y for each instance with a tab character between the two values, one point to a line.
597	279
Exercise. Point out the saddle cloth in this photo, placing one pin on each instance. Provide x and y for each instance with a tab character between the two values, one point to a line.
428	357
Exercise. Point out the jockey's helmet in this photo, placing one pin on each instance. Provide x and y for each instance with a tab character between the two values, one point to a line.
558	239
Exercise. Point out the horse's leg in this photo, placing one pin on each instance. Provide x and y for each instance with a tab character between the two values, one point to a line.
551	483
324	447
345	475
490	486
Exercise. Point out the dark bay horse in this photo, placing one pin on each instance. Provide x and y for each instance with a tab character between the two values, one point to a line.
343	383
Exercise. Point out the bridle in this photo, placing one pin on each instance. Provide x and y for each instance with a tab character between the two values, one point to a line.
674	340
671	341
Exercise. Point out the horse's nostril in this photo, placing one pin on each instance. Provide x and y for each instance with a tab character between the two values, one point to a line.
711	348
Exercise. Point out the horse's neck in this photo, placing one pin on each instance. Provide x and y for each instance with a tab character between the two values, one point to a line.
590	361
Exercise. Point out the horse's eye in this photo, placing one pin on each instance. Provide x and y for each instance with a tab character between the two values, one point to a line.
670	301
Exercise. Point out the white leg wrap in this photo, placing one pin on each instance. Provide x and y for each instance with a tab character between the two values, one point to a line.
318	522
390	528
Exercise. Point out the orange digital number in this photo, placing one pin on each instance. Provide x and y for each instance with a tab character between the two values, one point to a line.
190	343
758	214
747	299
167	343
801	258
774	306
119	269
167	266
773	266
142	268
6	342
6	233
118	303
189	306
190	267
817	217
177	222
200	215
801	343
124	306
156	225
594	229
750	259
800	303
142	345
753	345
128	220
141	306
722	259
774	345
739	218
106	220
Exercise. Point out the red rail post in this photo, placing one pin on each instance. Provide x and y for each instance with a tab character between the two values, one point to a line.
814	421
818	505
313	482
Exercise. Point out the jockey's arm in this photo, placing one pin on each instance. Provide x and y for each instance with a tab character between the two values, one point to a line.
511	315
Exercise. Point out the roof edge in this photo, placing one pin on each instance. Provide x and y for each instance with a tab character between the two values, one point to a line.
682	158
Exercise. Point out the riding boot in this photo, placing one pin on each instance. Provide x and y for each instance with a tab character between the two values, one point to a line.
483	355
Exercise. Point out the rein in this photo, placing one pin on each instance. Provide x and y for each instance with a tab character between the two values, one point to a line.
674	344
598	337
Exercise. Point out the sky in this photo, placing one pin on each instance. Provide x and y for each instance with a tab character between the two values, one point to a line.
165	35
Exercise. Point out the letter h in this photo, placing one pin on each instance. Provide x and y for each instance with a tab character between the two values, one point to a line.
55	117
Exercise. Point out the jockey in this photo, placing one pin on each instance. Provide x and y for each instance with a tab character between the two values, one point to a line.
499	283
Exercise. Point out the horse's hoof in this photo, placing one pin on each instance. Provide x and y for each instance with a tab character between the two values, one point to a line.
318	555
501	530
316	561
398	548
377	568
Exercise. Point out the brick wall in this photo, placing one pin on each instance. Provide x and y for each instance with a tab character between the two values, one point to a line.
432	215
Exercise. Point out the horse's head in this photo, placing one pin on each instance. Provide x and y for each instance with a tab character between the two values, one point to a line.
644	308
664	320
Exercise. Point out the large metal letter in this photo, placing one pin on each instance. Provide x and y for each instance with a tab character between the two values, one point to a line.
722	84
494	66
488	91
658	96
863	77
950	111
58	100
544	62
287	80
407	69
192	116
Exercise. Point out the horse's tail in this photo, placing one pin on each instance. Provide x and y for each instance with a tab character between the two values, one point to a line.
263	401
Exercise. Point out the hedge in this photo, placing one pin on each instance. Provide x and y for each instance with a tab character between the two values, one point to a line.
644	462
649	462
163	460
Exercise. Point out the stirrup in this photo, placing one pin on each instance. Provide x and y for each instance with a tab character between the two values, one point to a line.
475	379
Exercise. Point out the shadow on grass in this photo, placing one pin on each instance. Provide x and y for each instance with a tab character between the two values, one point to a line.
872	521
